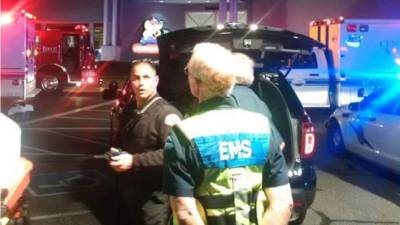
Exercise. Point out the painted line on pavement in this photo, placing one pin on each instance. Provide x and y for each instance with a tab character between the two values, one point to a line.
37	149
33	154
65	113
66	128
98	110
75	137
81	118
47	152
59	215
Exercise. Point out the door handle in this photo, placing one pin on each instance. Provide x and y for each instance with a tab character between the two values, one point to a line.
314	74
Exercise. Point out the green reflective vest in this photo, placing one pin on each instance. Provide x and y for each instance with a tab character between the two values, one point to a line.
233	145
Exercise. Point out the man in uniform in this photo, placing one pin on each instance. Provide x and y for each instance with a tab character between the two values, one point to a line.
219	161
139	167
245	97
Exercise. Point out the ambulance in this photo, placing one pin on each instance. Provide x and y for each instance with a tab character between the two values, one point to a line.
17	67
365	52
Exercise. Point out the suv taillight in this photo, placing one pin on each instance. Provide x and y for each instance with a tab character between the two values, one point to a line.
307	140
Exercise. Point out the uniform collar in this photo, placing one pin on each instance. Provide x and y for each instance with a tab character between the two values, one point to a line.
216	103
149	103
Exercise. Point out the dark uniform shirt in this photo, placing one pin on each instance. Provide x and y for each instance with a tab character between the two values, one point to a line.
246	99
144	137
183	171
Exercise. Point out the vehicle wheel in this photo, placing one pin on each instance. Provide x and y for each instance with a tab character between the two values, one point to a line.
335	140
300	218
51	84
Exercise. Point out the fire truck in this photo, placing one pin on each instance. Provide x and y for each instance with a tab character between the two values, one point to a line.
65	57
46	59
17	67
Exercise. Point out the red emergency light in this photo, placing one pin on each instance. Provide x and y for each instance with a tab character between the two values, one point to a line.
28	15
351	27
6	19
81	28
10	17
327	21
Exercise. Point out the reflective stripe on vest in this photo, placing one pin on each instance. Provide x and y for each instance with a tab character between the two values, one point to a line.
233	145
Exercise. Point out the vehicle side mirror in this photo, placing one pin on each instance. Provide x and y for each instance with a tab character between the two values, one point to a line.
354	106
361	92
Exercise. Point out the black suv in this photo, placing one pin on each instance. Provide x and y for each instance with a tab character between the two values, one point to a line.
270	48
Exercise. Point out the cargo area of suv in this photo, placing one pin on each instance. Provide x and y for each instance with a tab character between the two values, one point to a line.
268	47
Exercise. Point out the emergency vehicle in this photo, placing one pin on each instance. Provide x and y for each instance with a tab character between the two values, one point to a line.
64	57
17	67
366	55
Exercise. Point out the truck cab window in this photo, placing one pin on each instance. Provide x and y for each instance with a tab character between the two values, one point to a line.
303	62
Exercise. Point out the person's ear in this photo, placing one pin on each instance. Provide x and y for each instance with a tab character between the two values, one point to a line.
157	79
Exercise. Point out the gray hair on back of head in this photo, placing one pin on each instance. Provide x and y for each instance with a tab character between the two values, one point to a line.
244	69
211	64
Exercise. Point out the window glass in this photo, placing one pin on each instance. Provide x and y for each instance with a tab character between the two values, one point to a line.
387	107
303	62
368	101
381	101
275	61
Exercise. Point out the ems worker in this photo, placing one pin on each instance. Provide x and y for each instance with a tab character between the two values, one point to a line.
139	177
245	97
221	160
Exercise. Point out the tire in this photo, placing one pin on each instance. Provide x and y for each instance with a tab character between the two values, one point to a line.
300	219
335	140
51	84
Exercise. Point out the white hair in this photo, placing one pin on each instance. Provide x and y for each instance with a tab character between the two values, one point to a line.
244	69
211	65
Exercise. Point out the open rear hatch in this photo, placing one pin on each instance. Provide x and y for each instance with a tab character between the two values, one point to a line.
269	47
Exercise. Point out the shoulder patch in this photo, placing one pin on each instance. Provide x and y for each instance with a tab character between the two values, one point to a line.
171	119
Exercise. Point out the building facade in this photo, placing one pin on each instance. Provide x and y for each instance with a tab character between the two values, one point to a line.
126	18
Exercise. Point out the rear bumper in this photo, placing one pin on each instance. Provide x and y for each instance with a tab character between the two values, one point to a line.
303	190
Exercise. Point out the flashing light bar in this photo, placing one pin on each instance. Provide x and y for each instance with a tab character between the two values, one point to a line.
327	21
81	27
9	18
28	15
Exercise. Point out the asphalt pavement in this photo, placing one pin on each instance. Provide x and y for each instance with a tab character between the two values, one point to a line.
69	186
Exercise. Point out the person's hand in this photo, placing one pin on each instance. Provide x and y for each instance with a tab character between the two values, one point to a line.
282	146
122	162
